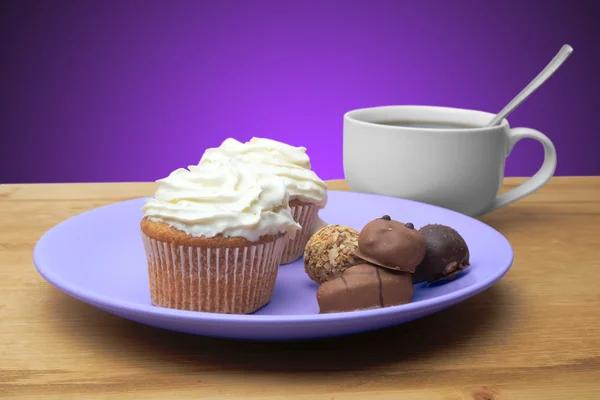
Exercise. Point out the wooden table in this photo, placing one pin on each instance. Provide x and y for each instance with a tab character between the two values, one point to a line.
534	335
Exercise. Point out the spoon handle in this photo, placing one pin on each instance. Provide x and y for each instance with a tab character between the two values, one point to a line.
546	73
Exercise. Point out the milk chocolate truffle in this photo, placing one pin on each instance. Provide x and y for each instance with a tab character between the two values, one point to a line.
330	251
364	287
391	244
446	255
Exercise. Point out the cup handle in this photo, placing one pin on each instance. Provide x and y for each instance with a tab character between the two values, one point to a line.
541	177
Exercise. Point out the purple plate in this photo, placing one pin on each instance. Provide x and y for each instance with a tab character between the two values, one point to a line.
98	258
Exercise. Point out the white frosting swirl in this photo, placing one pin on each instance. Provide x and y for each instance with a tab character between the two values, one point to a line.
224	198
290	163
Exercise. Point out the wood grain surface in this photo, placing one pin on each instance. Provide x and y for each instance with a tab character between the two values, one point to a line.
533	335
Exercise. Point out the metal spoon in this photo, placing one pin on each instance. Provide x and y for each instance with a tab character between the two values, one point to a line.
542	77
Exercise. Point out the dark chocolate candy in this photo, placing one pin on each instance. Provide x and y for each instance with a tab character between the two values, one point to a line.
364	287
391	244
446	255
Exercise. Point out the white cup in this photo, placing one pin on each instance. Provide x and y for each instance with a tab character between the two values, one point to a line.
460	169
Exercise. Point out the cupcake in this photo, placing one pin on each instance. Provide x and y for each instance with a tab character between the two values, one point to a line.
308	193
214	236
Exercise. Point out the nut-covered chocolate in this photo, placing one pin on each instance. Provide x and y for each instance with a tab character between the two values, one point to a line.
446	254
391	244
364	287
330	251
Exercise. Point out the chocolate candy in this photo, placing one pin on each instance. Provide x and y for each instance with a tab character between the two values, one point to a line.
364	287
391	244
446	255
330	251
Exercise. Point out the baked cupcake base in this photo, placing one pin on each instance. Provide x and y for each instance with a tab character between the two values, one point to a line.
221	275
305	214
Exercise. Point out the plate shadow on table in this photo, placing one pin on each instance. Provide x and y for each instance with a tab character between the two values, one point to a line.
467	324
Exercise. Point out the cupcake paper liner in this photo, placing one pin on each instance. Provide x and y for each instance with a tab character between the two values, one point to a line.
237	280
305	214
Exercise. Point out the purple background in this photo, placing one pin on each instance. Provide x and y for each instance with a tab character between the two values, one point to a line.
130	90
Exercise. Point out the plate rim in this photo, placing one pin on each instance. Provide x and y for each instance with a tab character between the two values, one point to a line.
100	300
